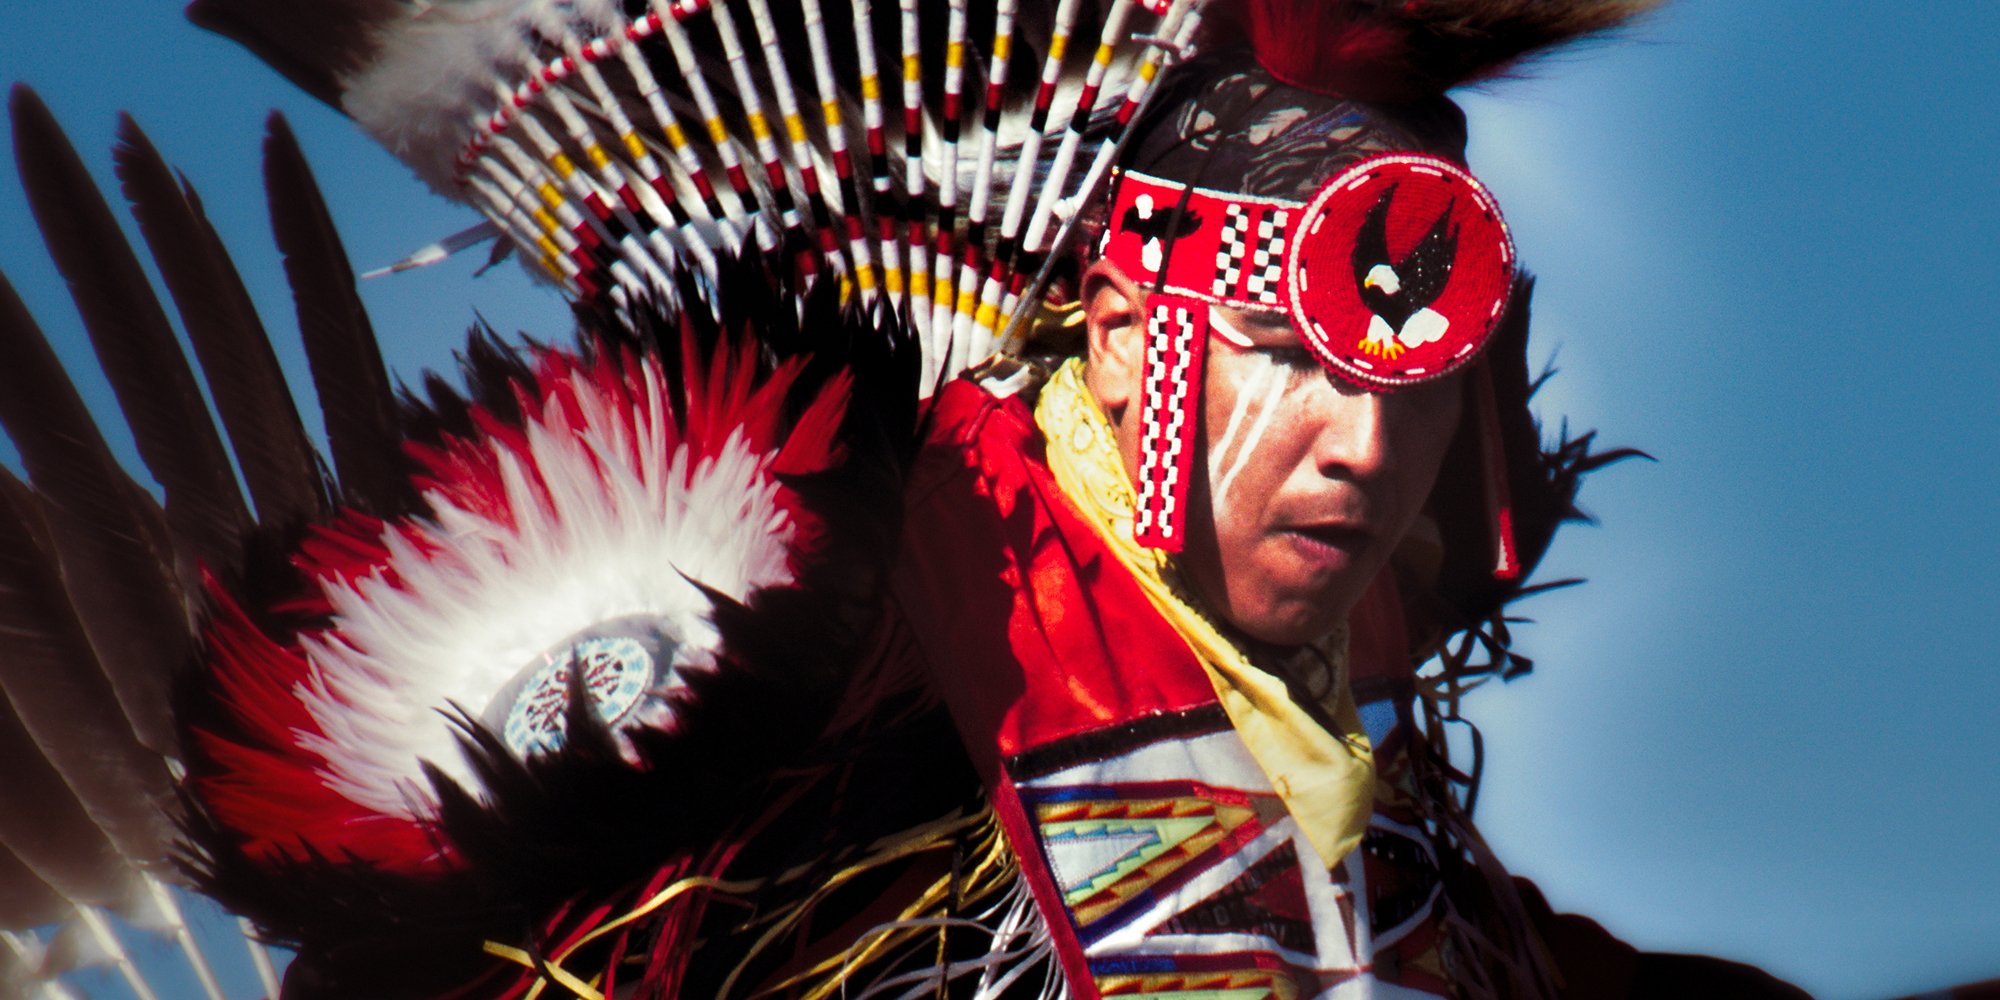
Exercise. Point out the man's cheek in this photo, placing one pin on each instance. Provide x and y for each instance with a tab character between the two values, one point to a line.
1258	398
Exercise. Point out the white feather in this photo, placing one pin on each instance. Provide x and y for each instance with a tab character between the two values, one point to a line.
434	72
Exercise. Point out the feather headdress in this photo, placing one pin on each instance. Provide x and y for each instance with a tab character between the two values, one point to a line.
925	153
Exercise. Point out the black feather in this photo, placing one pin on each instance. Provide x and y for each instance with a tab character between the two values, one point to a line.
43	824
277	459
315	45
25	901
64	701
362	429
135	345
115	572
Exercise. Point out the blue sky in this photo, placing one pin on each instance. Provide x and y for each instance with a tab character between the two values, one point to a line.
1766	238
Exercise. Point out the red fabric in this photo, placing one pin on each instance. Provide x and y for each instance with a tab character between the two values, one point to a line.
1031	624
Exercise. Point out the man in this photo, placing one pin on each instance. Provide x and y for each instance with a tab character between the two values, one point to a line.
1195	710
1129	679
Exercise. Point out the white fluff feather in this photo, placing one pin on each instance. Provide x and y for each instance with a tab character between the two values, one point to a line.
434	72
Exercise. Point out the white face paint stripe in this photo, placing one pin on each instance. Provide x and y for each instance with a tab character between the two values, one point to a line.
1217	454
1220	452
1221	328
1271	394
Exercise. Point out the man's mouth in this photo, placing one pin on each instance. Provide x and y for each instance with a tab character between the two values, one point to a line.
1329	539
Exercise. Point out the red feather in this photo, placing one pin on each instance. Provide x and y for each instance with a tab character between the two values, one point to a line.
261	783
1406	50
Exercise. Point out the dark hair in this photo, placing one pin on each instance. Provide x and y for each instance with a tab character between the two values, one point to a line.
1221	121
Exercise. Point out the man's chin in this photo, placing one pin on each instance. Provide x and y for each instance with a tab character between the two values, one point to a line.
1296	622
1294	593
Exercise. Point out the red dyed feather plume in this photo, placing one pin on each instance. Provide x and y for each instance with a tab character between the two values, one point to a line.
1404	50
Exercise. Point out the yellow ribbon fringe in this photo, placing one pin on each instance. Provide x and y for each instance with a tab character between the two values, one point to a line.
991	871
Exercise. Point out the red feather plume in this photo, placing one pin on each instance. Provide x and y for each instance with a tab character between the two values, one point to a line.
1396	51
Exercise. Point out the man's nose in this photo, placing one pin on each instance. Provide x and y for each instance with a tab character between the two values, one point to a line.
1354	441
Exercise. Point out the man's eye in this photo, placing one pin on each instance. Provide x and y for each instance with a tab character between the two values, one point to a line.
1292	356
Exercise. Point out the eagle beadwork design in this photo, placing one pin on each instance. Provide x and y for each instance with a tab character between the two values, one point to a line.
1399	294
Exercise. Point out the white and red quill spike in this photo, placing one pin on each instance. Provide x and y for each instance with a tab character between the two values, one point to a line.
598	506
613	142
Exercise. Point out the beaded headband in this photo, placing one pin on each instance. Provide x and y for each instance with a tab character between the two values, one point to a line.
1393	274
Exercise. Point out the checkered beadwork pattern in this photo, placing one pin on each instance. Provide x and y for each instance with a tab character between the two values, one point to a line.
1250	255
1230	251
1267	262
1176	333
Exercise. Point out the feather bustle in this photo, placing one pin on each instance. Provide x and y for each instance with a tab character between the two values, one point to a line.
548	847
135	344
605	415
279	465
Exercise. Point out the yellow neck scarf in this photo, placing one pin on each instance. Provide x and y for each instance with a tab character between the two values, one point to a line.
1326	779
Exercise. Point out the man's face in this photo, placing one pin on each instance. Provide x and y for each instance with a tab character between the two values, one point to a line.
1311	483
1306	484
